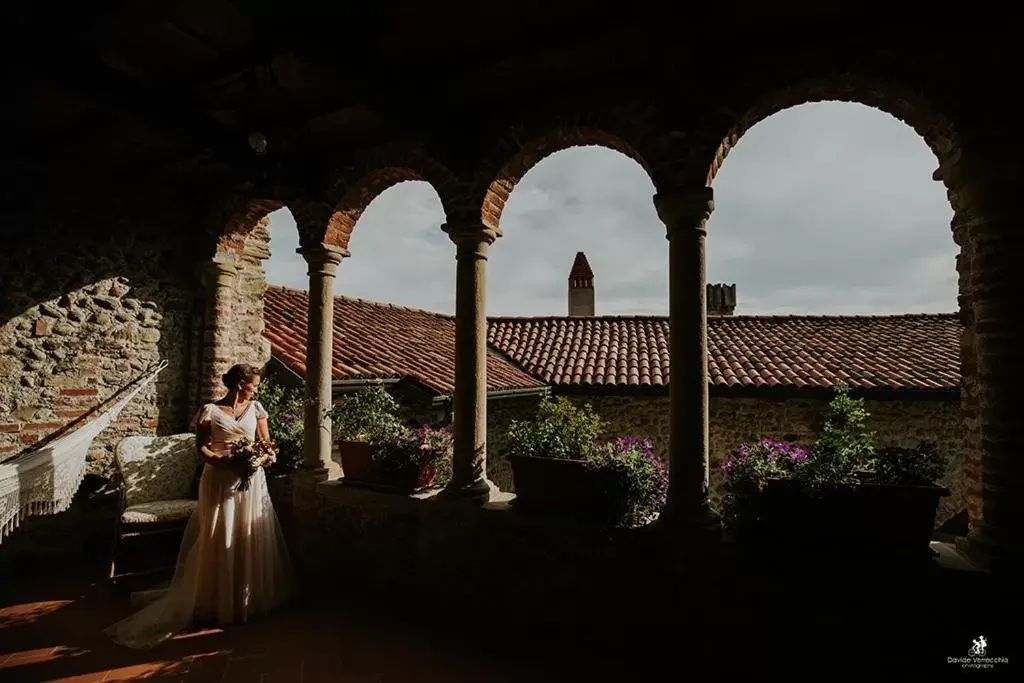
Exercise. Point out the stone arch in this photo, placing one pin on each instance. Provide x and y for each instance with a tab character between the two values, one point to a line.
244	217
900	101
915	109
529	154
229	323
350	190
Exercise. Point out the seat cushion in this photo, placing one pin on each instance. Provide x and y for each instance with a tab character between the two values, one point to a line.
159	512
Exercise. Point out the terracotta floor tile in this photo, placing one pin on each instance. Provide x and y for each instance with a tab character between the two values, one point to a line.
23	657
93	677
207	668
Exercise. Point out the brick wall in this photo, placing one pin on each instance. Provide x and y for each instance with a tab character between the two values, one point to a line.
82	317
735	420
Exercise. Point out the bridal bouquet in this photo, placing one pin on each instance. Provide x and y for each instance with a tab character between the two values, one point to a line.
247	456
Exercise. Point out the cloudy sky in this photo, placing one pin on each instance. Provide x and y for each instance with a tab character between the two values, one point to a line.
822	208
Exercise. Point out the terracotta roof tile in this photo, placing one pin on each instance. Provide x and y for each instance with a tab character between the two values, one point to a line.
375	340
867	352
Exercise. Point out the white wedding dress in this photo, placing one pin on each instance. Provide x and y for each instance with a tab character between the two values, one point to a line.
233	562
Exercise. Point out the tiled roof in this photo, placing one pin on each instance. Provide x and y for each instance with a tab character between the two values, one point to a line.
380	340
867	352
373	339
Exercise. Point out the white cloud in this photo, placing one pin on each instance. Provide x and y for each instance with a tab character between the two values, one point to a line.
823	208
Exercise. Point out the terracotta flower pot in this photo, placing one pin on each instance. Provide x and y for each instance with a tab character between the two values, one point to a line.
356	461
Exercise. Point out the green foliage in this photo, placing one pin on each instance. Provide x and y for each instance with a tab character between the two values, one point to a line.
370	415
637	478
748	468
285	419
896	465
417	452
560	430
845	453
845	446
374	416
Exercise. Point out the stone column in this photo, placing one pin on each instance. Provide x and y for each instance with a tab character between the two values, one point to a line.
469	469
685	214
984	193
218	281
323	263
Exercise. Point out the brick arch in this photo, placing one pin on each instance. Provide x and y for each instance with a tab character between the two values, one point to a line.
241	222
899	101
348	191
229	221
538	148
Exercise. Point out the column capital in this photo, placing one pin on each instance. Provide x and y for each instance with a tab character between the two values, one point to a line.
323	259
470	238
682	210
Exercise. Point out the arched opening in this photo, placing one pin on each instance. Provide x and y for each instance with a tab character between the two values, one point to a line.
400	255
580	277
528	155
390	295
355	198
589	199
234	284
832	218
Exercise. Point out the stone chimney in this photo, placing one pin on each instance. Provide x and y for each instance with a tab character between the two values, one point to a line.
721	299
581	287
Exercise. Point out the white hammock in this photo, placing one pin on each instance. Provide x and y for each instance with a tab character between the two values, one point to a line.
43	482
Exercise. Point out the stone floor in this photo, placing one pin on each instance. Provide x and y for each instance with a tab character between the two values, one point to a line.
782	619
50	630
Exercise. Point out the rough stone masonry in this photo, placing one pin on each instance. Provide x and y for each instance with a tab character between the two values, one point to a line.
66	345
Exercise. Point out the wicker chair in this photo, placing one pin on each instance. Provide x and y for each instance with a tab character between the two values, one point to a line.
156	478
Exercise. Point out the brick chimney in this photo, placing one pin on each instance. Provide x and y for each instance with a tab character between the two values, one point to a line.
721	299
581	287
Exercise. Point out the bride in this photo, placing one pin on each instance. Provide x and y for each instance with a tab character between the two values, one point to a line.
233	562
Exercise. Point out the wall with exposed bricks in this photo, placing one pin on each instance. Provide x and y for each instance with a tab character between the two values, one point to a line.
84	316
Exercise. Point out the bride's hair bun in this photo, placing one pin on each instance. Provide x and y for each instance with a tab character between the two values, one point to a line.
242	372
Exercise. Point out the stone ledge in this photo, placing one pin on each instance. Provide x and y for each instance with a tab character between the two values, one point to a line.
498	514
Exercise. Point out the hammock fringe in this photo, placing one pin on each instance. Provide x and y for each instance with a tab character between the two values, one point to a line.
44	481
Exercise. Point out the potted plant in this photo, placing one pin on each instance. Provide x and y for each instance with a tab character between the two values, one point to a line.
361	422
418	458
841	490
379	452
561	465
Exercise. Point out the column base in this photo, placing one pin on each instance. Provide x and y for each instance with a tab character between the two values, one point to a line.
700	521
479	491
319	474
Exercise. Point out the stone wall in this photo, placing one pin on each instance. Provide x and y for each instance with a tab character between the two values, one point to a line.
84	316
500	414
248	345
733	421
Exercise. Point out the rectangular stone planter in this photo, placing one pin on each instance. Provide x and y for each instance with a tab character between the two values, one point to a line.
894	517
359	470
562	487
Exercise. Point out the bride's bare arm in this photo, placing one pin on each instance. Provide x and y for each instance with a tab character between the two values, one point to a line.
203	438
263	432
